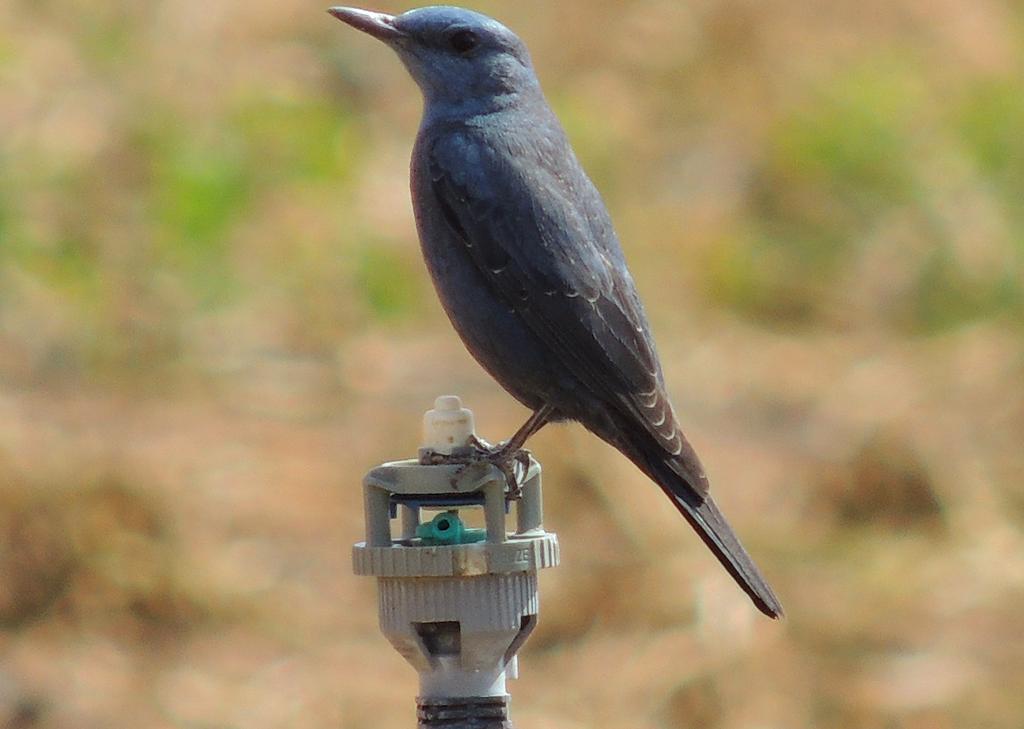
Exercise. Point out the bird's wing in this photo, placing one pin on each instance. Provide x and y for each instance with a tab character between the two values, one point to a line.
543	242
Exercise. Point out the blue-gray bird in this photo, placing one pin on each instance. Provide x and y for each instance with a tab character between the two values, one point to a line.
527	264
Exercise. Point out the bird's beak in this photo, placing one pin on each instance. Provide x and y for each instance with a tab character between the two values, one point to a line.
379	25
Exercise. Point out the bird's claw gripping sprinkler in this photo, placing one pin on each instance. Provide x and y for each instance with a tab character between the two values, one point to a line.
456	602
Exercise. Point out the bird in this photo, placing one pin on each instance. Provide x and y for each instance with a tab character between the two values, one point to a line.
527	264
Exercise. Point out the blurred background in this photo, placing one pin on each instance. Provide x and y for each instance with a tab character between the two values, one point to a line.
214	319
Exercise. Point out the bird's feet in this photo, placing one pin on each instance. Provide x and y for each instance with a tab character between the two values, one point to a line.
512	462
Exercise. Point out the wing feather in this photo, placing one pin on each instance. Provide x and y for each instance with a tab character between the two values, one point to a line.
555	262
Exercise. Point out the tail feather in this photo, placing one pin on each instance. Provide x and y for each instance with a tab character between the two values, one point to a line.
683	481
681	476
711	526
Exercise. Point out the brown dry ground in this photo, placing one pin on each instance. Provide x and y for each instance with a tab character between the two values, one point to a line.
213	321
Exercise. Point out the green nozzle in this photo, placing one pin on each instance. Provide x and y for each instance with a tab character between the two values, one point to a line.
447	528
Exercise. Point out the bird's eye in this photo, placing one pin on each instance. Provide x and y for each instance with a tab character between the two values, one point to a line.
463	41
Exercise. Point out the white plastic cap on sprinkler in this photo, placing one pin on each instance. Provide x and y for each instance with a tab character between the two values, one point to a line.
448	425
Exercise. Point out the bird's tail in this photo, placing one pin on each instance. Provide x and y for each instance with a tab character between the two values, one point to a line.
711	526
681	477
676	476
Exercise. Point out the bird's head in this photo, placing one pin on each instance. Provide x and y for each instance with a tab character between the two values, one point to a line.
455	55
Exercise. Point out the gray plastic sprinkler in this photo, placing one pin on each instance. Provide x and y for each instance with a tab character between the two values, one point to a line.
456	602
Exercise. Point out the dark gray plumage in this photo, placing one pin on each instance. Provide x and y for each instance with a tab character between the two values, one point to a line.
526	262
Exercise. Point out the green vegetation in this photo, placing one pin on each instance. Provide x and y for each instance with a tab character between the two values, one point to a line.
387	281
861	152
